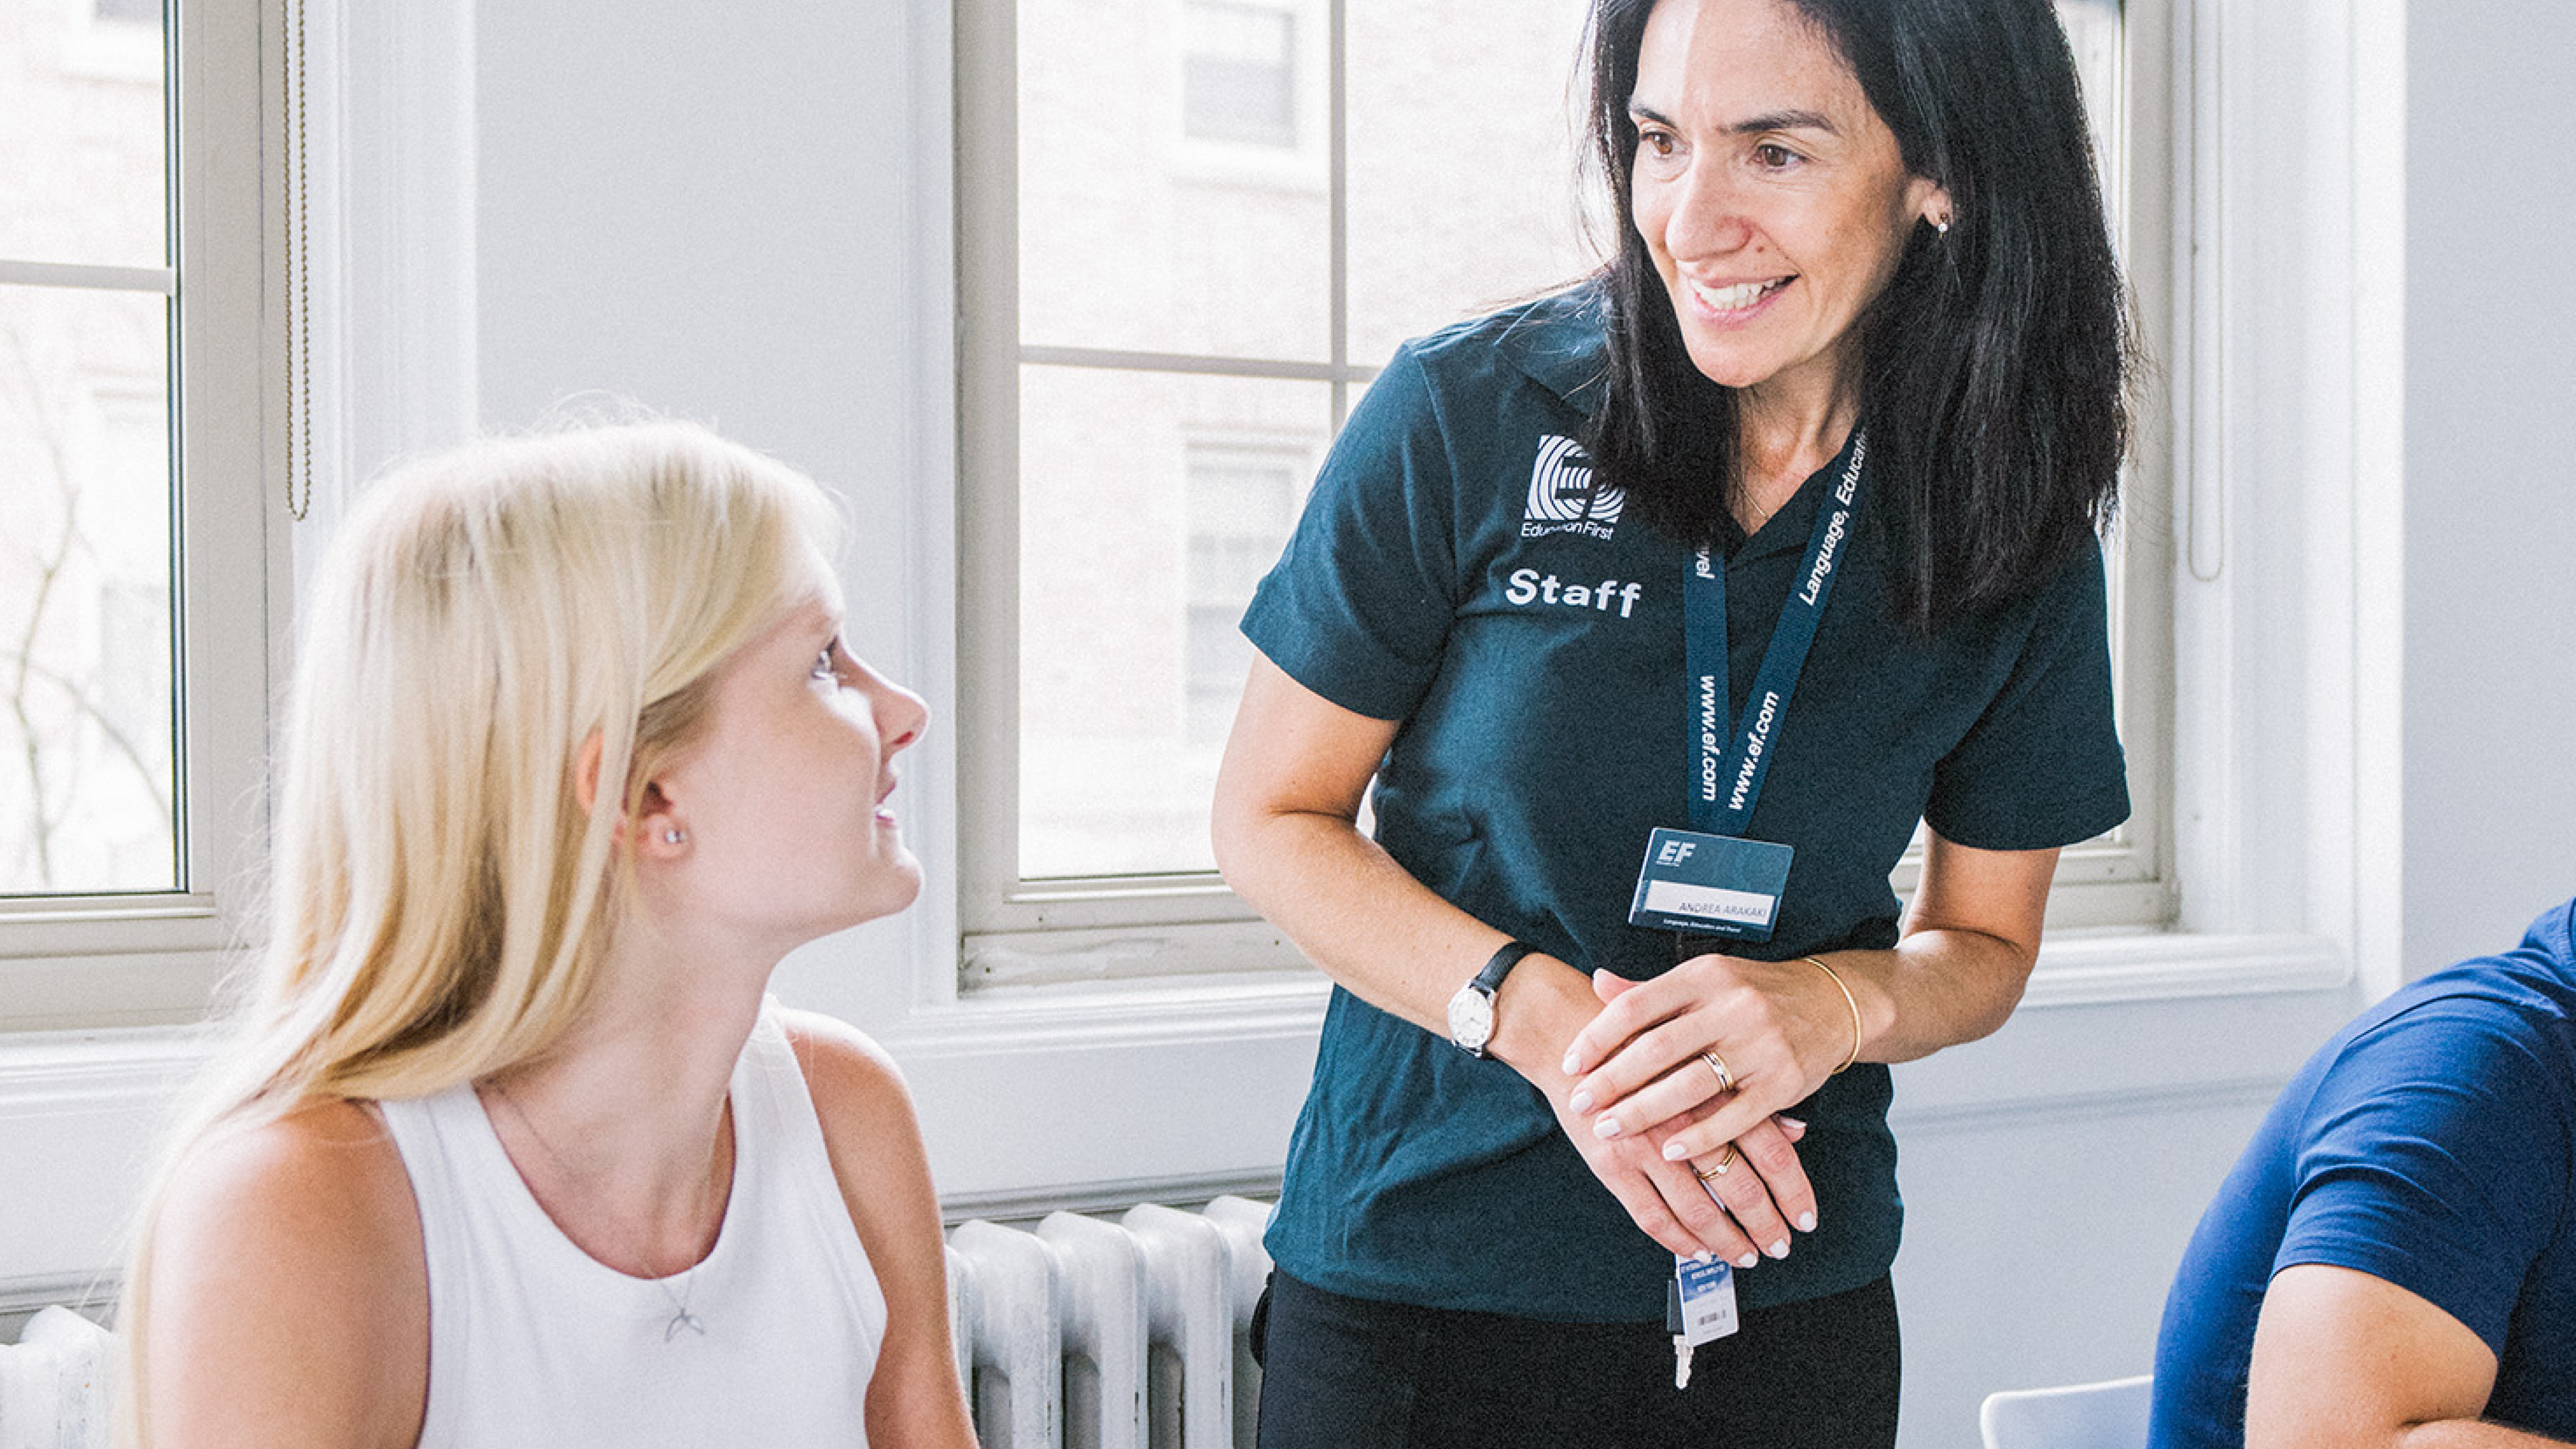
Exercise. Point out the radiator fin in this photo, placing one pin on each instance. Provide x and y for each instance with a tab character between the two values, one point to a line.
1093	1334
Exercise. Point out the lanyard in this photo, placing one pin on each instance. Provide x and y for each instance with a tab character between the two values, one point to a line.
1730	767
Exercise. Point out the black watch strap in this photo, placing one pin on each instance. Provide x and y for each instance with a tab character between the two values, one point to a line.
1490	980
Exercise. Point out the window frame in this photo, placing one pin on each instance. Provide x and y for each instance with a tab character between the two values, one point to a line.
74	961
1019	930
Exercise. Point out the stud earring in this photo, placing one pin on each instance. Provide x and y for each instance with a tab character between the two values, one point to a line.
674	836
1941	224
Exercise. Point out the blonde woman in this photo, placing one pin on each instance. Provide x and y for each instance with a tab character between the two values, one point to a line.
512	1148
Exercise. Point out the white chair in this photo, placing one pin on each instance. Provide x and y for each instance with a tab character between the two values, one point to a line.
2108	1415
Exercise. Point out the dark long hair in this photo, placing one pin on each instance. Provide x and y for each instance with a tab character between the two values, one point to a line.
1995	366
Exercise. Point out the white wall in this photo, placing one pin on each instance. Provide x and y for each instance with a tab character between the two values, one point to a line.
711	211
2490	776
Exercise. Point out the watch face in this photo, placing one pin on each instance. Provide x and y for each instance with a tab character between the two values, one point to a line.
1471	1018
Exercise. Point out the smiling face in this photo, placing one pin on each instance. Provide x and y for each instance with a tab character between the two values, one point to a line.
1774	200
782	802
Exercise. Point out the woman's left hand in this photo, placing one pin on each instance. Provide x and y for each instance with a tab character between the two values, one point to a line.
1653	1057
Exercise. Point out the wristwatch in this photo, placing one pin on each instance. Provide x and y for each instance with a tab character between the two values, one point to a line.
1471	1011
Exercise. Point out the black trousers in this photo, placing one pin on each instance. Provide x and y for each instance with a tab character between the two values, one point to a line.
1351	1373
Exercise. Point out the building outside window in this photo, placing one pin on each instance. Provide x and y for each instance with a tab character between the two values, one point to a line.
1239	72
1243	500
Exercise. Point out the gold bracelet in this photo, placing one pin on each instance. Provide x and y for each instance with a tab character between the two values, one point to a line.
1836	977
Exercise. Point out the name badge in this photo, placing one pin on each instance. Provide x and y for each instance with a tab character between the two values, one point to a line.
1710	885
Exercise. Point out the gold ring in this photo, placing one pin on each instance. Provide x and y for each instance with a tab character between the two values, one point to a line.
1717	1064
1725	1159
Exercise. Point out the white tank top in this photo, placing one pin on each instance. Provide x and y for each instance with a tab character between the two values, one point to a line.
534	1342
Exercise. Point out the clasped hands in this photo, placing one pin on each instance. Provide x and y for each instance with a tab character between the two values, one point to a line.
1704	1162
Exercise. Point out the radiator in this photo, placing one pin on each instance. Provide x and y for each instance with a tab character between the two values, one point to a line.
1085	1334
53	1384
1093	1334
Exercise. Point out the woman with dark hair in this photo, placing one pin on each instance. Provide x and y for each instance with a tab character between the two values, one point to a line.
1662	611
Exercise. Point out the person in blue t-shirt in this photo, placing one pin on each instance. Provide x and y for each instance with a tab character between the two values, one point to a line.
2394	1257
1768	544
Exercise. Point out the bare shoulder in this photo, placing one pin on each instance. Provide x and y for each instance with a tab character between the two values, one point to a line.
322	1184
875	1145
304	1222
866	1110
849	1075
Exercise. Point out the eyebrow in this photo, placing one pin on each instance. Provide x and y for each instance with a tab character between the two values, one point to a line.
815	615
1751	125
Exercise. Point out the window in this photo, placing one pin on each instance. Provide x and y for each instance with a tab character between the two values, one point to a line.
2125	877
1158	347
133	663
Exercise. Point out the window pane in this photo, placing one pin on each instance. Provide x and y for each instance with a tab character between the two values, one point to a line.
83	135
1151	504
2093	33
1461	199
88	719
1140	228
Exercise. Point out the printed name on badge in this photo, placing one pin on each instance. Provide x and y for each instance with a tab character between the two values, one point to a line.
1710	885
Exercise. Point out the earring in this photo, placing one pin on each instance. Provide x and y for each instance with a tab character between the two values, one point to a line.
1941	224
674	836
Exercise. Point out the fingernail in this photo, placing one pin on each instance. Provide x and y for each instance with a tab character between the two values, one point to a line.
1700	1257
1582	1102
1747	1261
1779	1249
1675	1152
1573	1064
1806	1222
1605	1127
1792	1124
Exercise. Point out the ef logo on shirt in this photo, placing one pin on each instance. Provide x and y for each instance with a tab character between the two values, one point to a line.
1564	496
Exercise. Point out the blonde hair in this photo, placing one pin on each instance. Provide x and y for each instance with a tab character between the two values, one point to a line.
439	895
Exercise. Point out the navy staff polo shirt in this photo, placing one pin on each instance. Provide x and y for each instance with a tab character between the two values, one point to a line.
1459	569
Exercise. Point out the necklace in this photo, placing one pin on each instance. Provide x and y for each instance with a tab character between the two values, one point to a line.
681	1317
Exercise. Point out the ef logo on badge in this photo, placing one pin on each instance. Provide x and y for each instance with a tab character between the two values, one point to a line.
1709	885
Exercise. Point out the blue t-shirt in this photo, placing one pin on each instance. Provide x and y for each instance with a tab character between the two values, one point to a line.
2432	1144
1458	569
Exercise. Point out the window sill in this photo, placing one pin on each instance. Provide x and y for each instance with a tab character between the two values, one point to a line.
158	986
